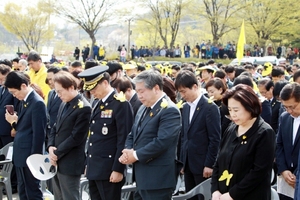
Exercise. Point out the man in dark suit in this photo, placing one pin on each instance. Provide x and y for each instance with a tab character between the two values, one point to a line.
30	124
266	87
7	133
53	104
5	99
110	124
123	84
151	145
200	133
54	101
67	138
288	137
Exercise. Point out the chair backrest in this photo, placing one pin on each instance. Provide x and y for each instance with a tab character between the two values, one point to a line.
203	188
6	169
7	149
274	194
40	166
126	194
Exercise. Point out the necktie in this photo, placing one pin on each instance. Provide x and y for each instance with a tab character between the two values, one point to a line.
65	109
21	106
145	113
54	95
2	89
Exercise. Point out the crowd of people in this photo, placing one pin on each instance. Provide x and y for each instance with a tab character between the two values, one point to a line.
233	124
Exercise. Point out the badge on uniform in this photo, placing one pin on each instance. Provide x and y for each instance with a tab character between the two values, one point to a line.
106	113
104	129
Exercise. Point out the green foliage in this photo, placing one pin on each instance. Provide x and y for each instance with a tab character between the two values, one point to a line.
30	24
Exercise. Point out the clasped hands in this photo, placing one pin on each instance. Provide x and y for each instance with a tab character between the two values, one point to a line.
218	196
53	157
127	157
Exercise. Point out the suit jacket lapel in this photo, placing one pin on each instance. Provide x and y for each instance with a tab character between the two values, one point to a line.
26	105
297	137
156	109
72	108
186	116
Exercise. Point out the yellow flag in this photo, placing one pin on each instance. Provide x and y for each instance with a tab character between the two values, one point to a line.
241	43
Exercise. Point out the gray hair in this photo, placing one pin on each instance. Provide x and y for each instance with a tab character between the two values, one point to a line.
151	78
23	62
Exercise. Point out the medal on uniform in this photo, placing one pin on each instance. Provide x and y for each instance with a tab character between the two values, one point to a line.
104	130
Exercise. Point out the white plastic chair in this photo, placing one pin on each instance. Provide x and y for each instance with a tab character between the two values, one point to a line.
40	167
274	194
6	170
202	188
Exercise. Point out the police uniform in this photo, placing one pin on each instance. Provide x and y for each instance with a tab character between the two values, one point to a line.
110	123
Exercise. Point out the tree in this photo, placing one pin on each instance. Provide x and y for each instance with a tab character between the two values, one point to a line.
270	19
221	15
29	24
88	14
166	15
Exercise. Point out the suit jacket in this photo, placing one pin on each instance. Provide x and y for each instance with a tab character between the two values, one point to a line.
31	130
110	124
5	99
287	152
69	135
249	158
200	139
275	104
155	145
53	105
135	103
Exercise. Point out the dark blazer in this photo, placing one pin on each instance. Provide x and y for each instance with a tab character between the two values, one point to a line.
69	135
275	104
53	105
266	111
249	159
135	103
155	144
200	139
105	148
31	130
287	153
5	99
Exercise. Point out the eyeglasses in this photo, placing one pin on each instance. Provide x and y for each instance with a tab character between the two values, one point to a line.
291	108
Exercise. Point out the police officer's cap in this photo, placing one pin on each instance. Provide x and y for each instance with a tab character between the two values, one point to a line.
92	76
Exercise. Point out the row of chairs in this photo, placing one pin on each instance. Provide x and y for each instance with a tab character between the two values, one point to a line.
129	187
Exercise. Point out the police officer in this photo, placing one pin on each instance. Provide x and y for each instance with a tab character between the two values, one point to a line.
110	123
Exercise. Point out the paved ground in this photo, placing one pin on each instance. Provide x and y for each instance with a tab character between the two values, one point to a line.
16	197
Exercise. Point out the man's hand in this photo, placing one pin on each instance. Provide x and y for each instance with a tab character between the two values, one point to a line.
289	177
38	89
13	133
207	172
115	177
11	118
216	195
127	157
225	196
53	157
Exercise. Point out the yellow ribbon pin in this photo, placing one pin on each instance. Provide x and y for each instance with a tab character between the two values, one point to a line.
120	96
164	103
226	176
179	104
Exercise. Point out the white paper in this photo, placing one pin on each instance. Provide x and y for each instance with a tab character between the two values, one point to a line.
9	153
284	188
